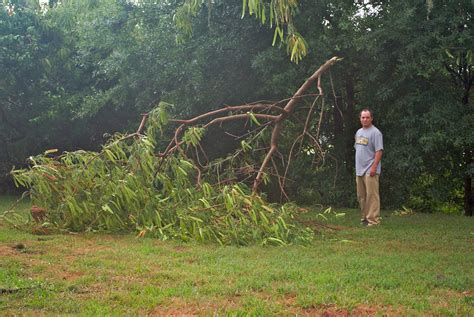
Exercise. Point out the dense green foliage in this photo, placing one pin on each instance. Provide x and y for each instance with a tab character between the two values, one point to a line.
125	187
86	68
396	60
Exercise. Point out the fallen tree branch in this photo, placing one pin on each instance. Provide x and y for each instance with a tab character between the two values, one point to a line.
289	108
263	114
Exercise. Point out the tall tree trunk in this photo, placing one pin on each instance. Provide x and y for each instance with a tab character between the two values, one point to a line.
349	121
468	199
462	75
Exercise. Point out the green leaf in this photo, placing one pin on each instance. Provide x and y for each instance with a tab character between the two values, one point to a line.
278	241
244	8
449	54
50	151
253	118
108	209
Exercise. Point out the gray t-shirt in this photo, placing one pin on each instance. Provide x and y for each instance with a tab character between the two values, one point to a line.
367	142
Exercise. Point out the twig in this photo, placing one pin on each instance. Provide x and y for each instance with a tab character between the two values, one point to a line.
320	119
335	97
138	133
12	208
282	189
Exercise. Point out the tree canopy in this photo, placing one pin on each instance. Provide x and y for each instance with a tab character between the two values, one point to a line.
84	69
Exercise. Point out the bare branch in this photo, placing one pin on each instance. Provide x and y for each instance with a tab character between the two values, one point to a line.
142	124
289	108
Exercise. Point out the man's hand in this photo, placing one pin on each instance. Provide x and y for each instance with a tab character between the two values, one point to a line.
373	171
373	168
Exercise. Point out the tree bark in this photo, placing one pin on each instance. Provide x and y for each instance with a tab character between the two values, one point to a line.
349	121
462	76
468	199
467	82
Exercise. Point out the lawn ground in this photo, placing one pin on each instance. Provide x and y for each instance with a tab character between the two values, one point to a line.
415	264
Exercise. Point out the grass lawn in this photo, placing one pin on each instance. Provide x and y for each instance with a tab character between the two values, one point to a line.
417	264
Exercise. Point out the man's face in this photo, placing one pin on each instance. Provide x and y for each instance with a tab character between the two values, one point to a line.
366	119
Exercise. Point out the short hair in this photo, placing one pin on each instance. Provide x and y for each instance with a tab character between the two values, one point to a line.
367	110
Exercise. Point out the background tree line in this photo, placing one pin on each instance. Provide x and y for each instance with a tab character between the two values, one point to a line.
85	69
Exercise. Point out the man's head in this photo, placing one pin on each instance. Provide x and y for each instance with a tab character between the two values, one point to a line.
366	118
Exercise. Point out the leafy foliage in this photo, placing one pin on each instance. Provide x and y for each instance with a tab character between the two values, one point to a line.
86	68
278	13
118	189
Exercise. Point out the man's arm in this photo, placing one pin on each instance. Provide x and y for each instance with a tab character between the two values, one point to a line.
378	157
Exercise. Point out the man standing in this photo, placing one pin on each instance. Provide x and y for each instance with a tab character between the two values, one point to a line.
369	149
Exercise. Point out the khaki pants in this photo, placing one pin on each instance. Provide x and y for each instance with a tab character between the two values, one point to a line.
368	197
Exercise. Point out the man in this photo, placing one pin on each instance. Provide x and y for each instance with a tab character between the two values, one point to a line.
369	149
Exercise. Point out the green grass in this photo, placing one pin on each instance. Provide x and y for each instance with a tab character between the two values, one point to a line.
418	264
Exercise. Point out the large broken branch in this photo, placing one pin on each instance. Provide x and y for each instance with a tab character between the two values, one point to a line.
289	108
265	113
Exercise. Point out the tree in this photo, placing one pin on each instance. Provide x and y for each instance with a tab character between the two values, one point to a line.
98	71
276	13
417	103
25	44
108	61
394	62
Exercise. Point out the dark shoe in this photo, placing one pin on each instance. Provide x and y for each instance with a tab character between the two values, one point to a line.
364	222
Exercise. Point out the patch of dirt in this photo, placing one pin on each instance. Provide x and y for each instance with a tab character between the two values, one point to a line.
18	249
71	276
180	249
365	310
330	311
468	293
289	300
7	250
63	253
